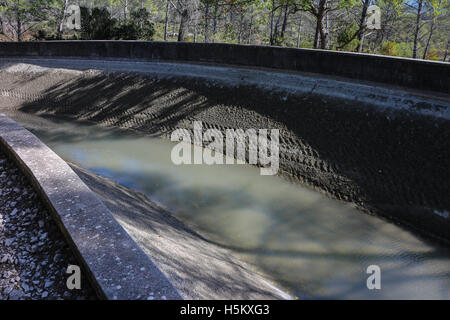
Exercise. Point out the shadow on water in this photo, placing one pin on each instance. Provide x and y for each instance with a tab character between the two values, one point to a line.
302	248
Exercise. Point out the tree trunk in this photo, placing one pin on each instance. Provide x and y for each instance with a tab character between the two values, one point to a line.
425	52
272	14
188	14
362	25
326	30
206	22
416	33
231	14
18	25
195	32
361	42
216	9
285	22
2	24
275	34
316	35
19	30
323	37
241	23
320	34
250	26
63	18
446	52
184	25
166	23
299	31
125	10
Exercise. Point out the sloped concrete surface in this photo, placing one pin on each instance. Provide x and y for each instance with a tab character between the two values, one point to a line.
118	268
167	261
378	146
284	83
197	267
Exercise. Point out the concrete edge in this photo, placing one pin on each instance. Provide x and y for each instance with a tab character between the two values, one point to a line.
385	97
116	266
410	73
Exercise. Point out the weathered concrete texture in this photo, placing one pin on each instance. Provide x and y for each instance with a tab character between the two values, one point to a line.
387	157
32	83
116	265
418	74
197	267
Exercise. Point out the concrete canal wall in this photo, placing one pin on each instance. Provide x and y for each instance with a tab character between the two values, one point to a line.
365	129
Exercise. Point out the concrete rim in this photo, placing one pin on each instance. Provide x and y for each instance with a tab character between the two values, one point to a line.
116	266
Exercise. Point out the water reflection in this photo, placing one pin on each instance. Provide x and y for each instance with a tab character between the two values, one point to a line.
317	247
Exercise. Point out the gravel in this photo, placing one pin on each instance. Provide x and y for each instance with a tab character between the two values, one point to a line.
33	253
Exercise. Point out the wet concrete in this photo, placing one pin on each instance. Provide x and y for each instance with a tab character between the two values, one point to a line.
381	148
314	246
197	267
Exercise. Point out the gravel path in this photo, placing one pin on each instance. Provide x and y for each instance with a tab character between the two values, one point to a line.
33	254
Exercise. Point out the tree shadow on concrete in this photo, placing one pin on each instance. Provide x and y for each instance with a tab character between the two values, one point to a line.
397	162
390	163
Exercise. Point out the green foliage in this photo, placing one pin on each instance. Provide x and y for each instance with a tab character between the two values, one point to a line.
96	24
241	21
141	20
22	12
345	34
433	54
229	33
400	49
126	30
24	8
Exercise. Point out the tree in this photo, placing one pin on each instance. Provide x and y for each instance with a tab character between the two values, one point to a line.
166	23
144	28
436	8
24	14
326	24
362	24
96	24
320	10
187	9
278	26
417	27
207	4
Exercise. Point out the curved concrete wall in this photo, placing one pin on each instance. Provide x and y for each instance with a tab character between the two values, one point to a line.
416	74
385	156
384	148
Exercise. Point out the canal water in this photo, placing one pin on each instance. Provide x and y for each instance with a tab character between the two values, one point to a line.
314	246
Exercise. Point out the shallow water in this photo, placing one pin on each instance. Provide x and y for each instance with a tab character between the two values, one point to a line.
314	246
